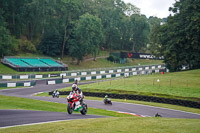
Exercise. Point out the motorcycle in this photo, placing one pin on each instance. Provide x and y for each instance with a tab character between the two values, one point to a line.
107	101
75	105
55	95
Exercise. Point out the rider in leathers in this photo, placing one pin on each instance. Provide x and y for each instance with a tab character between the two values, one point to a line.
78	91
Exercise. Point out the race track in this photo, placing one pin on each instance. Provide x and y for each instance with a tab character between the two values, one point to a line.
10	118
31	116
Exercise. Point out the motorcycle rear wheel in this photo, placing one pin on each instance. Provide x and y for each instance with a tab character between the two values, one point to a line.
84	110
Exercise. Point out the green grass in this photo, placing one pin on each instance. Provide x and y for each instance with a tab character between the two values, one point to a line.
7	102
118	123
103	63
169	106
5	70
179	85
114	125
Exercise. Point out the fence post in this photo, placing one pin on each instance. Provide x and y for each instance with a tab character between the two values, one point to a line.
170	83
138	82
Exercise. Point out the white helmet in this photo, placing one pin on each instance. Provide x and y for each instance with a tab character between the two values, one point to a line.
74	87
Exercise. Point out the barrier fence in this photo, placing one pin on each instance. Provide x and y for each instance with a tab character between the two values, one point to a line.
83	75
140	98
16	84
103	76
82	72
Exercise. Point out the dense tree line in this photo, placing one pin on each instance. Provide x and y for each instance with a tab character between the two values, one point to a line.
71	27
179	39
81	27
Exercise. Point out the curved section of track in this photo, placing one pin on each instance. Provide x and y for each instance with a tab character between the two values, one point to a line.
143	110
10	118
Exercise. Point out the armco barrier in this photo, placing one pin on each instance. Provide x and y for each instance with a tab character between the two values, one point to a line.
16	84
125	73
184	103
103	76
84	72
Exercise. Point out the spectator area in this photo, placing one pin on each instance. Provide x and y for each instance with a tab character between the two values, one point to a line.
18	62
50	62
34	64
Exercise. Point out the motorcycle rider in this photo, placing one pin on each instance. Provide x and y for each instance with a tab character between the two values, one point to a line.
78	91
56	92
105	98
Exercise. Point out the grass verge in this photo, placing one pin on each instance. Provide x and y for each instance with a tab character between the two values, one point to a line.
114	125
178	85
8	102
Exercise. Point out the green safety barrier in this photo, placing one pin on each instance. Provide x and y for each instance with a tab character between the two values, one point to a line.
88	72
32	83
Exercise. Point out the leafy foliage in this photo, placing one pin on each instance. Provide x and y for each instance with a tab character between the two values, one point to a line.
26	46
178	39
113	59
61	27
8	44
51	43
88	35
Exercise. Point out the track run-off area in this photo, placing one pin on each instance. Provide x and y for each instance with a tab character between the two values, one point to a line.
9	118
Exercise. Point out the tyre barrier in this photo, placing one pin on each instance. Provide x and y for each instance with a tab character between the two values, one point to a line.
184	103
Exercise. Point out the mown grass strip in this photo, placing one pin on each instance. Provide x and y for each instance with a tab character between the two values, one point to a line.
114	125
179	85
8	102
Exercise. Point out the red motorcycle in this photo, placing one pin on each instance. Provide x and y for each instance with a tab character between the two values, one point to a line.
75	105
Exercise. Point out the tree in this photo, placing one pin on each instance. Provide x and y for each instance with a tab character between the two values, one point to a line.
13	15
154	22
39	22
68	12
51	43
179	37
131	9
89	35
8	44
139	32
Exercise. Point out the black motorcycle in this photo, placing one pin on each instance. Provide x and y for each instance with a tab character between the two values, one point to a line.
55	95
107	101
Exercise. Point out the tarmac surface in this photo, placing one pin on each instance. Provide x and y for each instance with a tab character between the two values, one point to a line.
10	118
18	117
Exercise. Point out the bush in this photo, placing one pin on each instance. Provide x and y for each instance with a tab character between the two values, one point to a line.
113	59
110	58
26	46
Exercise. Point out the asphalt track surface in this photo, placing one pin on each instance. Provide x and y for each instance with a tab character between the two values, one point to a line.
10	118
18	117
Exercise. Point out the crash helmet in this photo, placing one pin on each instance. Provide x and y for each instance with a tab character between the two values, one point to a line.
106	96
74	87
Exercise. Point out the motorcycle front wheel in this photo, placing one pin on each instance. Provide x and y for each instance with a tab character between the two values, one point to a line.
69	109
